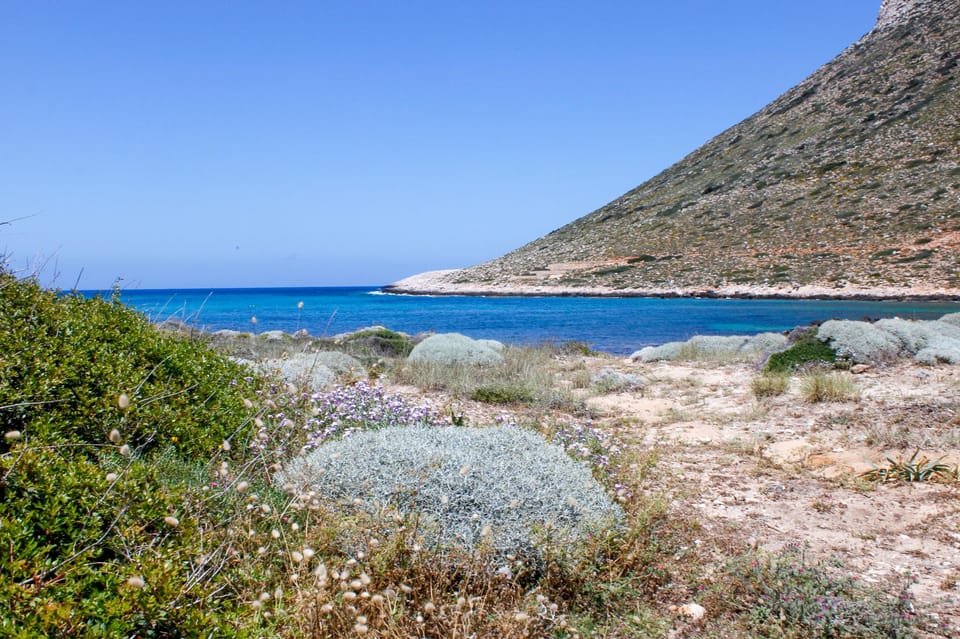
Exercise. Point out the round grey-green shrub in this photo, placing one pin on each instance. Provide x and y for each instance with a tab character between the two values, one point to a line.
664	352
916	335
712	347
340	363
611	381
301	369
862	342
764	343
501	484
454	348
951	318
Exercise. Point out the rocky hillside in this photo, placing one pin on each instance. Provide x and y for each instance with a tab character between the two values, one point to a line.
848	184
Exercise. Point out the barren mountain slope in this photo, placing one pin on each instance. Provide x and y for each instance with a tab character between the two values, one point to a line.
849	182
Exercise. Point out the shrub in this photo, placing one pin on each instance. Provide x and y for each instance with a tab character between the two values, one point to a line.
341	363
764	343
608	380
712	348
940	350
861	342
502	394
817	386
377	342
769	385
787	595
453	348
498	485
99	540
806	350
951	318
302	369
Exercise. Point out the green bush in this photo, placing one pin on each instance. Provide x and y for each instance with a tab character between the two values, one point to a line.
502	394
84	509
806	350
378	341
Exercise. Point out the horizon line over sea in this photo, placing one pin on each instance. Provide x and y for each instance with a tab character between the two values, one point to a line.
610	324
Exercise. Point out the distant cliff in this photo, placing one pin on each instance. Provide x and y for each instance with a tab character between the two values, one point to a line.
848	184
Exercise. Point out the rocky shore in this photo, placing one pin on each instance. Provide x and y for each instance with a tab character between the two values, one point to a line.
444	282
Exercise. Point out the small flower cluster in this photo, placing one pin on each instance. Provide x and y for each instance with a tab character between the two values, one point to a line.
347	409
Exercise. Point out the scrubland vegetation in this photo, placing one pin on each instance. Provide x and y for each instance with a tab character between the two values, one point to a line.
151	486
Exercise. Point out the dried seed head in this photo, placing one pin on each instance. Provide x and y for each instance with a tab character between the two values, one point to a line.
377	599
291	389
256	605
275	533
356	584
264	596
247	403
297	556
123	401
112	477
225	445
461	603
405	589
115	436
365	579
349	595
171	521
361	628
136	581
125	450
12	435
486	531
308	553
429	608
521	617
242	486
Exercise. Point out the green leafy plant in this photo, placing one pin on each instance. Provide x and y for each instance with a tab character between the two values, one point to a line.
805	351
912	470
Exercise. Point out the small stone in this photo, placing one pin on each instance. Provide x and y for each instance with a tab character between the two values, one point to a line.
692	610
860	369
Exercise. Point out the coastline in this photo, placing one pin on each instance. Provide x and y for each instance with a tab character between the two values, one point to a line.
438	283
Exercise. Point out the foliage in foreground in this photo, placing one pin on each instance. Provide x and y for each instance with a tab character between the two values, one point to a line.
107	422
144	505
788	595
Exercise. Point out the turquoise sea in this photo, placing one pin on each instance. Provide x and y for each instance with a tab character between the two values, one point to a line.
614	325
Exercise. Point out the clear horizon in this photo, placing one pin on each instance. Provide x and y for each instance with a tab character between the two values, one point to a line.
184	145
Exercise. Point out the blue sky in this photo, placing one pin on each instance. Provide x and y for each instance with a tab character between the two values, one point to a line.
205	144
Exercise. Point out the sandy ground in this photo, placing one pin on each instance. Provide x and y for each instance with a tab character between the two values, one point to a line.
781	470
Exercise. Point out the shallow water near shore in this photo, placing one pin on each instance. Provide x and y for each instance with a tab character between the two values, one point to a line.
613	325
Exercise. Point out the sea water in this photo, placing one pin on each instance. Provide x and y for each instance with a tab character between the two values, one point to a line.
614	325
